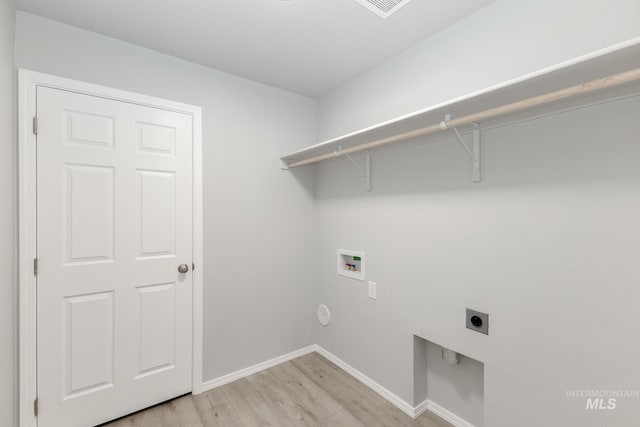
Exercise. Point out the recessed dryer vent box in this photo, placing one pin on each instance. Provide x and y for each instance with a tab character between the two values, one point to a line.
351	264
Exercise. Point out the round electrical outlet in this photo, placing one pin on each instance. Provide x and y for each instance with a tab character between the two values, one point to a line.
476	321
324	315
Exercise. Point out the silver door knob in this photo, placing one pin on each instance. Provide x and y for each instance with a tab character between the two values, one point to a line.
183	268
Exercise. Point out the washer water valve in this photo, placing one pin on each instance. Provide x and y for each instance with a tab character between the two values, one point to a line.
450	356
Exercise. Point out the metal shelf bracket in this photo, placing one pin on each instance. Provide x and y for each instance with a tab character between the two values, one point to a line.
473	151
366	172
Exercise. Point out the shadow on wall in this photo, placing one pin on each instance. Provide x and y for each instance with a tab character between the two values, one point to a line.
303	176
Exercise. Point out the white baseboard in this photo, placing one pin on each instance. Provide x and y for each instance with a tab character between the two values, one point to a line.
443	413
422	408
242	373
405	407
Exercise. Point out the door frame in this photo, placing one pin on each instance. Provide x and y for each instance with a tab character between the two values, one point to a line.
28	81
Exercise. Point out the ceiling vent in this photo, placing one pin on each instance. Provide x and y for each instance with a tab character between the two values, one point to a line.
383	8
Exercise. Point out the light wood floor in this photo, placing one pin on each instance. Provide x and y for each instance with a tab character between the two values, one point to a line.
308	391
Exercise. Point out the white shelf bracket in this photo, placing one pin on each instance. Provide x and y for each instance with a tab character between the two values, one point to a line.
366	172
473	151
475	168
285	166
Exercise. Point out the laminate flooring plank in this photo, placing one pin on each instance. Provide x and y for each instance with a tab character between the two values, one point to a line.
249	405
309	391
335	376
349	392
214	409
342	419
429	419
179	412
281	403
147	418
305	392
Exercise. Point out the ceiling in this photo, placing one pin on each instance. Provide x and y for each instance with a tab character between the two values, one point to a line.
304	46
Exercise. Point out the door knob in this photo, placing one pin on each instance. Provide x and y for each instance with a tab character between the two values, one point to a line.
183	268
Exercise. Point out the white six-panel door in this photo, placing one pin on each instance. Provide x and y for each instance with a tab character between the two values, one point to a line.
114	222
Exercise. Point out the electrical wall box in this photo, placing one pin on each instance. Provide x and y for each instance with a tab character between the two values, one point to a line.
351	264
478	321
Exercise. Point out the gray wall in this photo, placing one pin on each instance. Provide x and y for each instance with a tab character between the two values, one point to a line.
259	229
8	291
545	243
502	41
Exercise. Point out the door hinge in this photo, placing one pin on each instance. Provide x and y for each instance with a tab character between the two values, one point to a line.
35	266
35	125
35	407
193	266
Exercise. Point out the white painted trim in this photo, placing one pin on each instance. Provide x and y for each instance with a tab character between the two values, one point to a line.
242	373
198	255
445	414
421	408
27	84
26	249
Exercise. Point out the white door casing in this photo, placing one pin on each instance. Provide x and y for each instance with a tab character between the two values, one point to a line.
117	326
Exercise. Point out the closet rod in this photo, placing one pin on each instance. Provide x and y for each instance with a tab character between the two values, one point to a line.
547	98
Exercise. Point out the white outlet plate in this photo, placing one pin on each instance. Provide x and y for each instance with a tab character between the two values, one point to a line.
373	290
